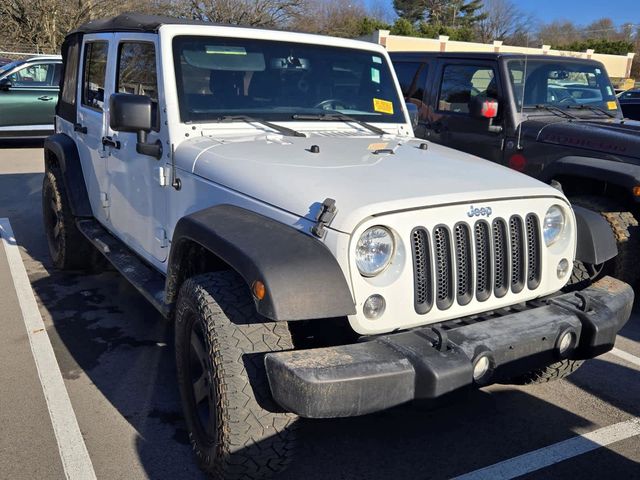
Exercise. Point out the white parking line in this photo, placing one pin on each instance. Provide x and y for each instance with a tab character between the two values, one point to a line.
544	457
73	451
625	356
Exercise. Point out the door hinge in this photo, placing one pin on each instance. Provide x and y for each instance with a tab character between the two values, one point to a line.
161	238
163	178
104	200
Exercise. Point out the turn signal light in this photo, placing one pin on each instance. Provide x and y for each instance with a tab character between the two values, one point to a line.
636	191
259	290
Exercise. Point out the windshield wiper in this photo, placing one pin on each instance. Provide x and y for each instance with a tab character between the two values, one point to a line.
592	108
246	118
554	109
341	117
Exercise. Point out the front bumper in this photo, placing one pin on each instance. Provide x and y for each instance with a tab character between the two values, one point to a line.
430	361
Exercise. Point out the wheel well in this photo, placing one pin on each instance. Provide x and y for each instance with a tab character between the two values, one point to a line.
50	160
573	186
191	259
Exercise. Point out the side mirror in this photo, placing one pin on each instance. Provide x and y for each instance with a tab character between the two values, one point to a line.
134	113
413	114
5	85
484	107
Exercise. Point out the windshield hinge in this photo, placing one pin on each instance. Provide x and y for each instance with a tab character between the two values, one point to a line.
324	217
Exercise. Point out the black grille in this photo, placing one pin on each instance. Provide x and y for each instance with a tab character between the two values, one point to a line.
517	254
475	260
533	252
464	273
444	273
483	261
501	254
422	276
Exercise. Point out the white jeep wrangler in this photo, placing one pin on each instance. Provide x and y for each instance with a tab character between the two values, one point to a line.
264	190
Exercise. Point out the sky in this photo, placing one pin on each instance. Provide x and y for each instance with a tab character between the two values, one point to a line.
582	12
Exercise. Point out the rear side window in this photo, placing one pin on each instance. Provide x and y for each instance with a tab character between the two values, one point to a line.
413	78
37	75
460	83
95	68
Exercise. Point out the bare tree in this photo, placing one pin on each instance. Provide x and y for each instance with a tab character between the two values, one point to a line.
561	32
504	21
270	13
43	24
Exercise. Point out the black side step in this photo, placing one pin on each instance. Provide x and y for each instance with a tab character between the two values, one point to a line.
148	281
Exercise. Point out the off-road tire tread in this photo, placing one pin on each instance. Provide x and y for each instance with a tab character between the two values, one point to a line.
621	220
255	438
76	252
550	373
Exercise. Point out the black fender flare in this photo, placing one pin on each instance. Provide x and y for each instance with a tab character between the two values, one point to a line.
626	175
596	242
301	276
64	149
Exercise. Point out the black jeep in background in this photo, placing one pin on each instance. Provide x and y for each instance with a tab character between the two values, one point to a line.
555	118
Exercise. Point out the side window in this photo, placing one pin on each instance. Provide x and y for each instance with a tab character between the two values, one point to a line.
36	75
413	78
460	83
93	75
137	69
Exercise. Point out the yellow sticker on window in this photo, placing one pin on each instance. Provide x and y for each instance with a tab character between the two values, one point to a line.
383	106
612	105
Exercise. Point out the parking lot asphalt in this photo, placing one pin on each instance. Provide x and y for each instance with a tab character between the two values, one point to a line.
115	355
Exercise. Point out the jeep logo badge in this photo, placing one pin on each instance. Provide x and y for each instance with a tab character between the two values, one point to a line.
479	212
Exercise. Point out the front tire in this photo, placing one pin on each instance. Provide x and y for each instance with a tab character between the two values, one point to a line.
236	429
550	373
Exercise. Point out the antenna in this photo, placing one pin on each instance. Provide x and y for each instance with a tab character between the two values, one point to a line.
524	86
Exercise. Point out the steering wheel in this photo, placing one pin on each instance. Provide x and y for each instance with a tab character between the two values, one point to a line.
568	100
331	104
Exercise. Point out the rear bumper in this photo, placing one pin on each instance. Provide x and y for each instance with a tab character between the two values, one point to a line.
428	362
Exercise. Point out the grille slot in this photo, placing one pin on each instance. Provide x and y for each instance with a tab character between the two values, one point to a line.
444	269
501	254
533	252
422	274
483	260
464	273
517	254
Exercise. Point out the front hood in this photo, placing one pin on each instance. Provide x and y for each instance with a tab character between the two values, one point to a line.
283	172
609	136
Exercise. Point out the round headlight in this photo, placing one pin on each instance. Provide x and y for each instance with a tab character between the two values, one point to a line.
374	251
554	222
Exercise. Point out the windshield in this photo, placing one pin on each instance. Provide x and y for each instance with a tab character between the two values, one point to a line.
272	80
561	84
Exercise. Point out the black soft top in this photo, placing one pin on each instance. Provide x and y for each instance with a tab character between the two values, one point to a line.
132	22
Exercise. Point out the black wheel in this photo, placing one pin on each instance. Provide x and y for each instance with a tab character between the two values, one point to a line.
68	248
625	227
552	372
236	429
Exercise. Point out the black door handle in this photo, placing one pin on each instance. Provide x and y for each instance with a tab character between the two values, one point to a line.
45	98
110	142
79	128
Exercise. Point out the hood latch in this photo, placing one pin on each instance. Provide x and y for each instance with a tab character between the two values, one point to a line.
324	217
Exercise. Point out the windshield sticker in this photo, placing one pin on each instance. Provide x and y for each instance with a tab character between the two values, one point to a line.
222	50
612	105
598	71
375	75
377	146
609	92
376	59
383	106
